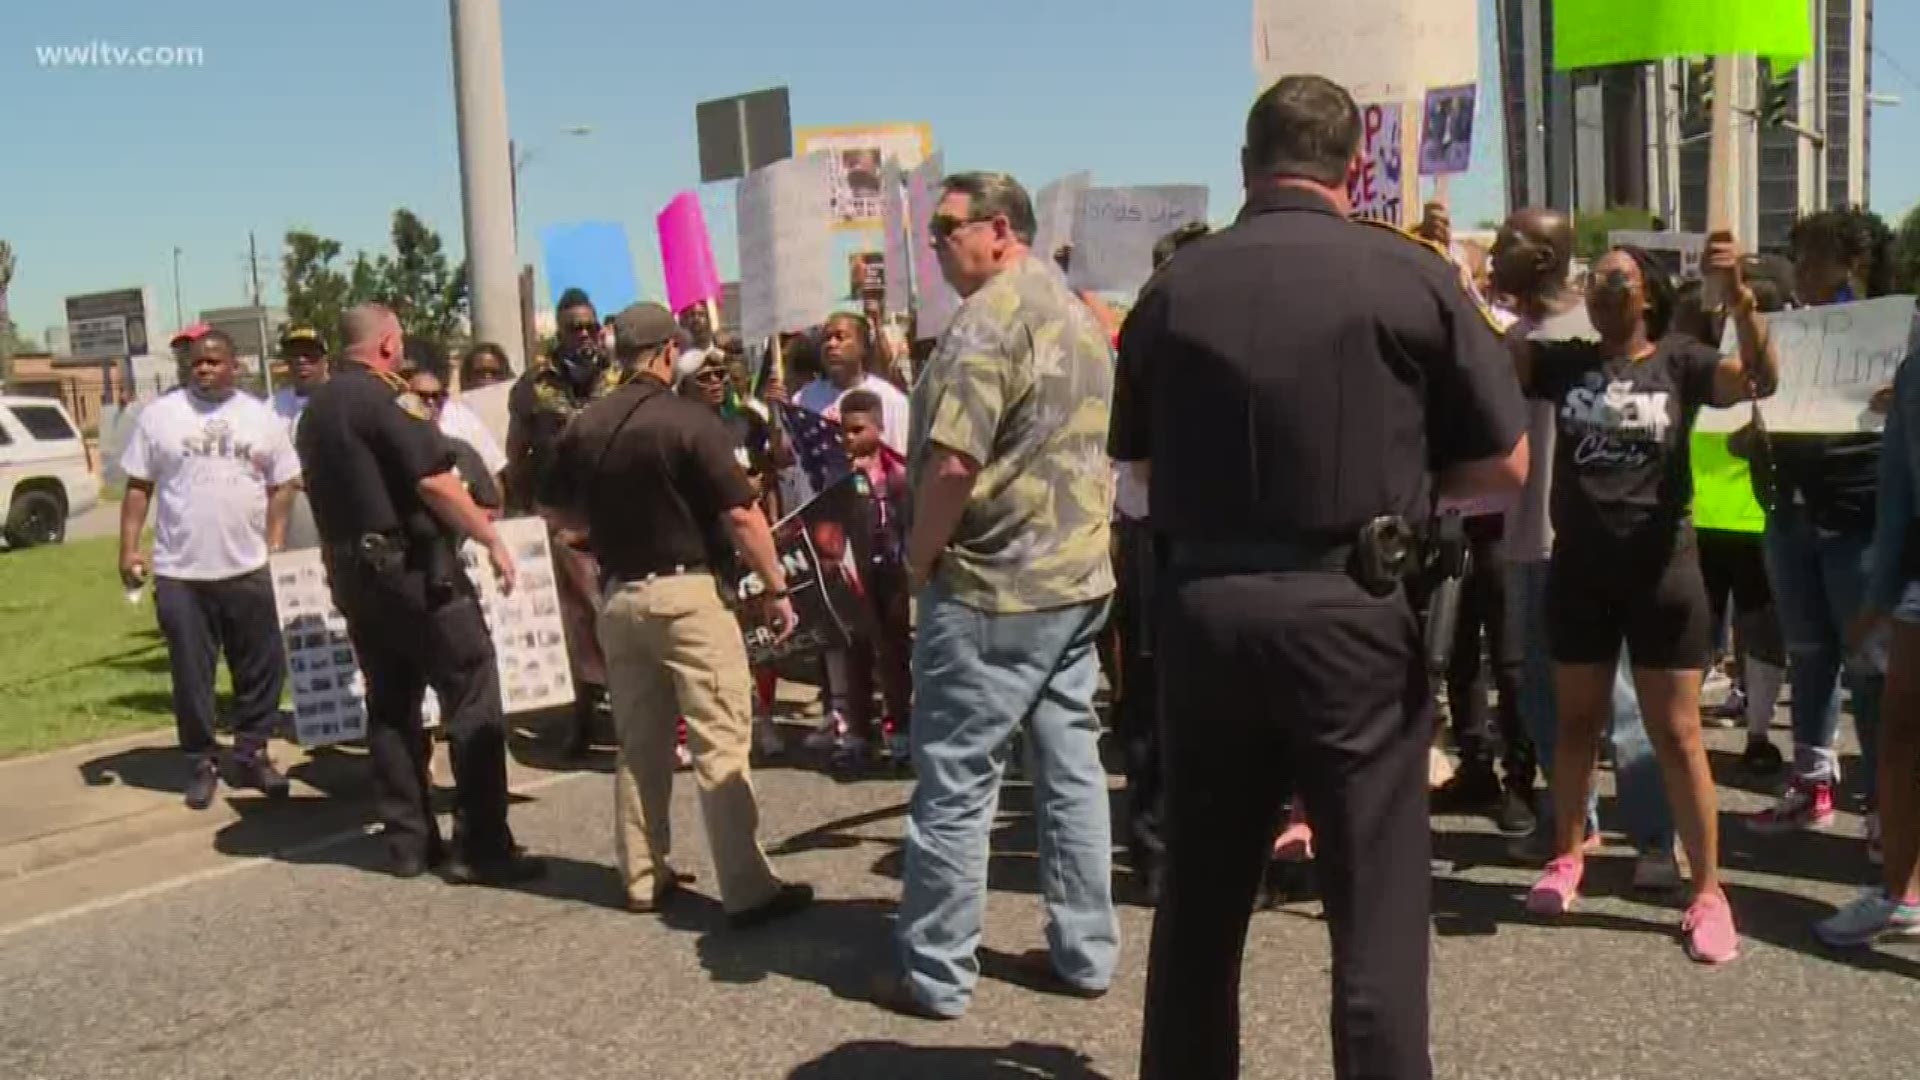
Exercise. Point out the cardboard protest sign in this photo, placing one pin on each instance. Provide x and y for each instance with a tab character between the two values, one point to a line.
1446	131
1832	359
934	300
1380	50
686	253
1376	183
786	246
866	275
1114	230
1679	253
590	255
893	223
1595	33
825	548
856	160
1053	213
329	692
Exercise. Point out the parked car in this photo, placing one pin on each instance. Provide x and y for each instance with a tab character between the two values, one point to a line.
45	477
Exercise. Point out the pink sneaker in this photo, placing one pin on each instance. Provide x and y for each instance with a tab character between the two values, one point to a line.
1710	936
1804	805
1557	889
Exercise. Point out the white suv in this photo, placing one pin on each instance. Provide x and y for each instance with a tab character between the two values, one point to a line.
44	474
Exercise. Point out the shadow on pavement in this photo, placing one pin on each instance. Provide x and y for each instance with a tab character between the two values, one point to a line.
892	1061
839	945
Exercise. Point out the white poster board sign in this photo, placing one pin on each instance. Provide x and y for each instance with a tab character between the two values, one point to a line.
329	692
1114	230
1380	50
934	300
1681	252
893	222
1832	359
786	246
1375	184
1053	213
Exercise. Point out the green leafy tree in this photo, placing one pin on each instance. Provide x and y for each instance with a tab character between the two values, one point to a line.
1590	230
10	342
1906	254
415	279
317	291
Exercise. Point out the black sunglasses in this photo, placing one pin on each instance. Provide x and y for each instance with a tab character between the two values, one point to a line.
710	375
434	397
942	227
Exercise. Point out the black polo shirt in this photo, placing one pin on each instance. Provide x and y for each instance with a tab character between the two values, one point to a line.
1297	375
363	455
652	472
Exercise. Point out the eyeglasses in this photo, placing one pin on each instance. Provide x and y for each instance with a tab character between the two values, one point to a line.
581	328
711	375
434	397
942	227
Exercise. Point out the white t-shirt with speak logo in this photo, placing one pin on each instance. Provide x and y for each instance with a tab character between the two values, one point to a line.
210	464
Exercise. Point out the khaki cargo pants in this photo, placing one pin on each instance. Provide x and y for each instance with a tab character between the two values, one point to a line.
674	649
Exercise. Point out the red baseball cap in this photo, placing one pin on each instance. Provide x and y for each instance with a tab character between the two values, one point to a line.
190	334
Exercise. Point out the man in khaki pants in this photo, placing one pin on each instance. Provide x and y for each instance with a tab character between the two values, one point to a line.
652	479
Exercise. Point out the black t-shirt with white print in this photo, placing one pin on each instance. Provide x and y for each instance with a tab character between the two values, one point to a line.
1621	467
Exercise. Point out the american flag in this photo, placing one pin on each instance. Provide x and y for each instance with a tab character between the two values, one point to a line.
816	448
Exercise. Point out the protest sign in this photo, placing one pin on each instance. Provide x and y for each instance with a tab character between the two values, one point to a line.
856	159
786	246
934	299
825	548
686	253
1596	33
1679	253
329	692
1114	230
893	222
1832	359
593	256
866	275
1446	131
1053	212
1376	183
1380	50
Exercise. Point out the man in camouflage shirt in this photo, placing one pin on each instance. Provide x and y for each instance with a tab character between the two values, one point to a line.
1009	551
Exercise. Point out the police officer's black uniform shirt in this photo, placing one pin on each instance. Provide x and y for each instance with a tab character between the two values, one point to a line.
363	455
652	472
1297	375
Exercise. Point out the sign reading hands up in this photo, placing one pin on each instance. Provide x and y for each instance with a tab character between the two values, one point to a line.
1114	230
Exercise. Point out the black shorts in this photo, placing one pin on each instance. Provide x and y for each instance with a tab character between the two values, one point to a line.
1650	598
1734	564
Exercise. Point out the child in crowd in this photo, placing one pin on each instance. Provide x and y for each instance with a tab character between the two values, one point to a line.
862	430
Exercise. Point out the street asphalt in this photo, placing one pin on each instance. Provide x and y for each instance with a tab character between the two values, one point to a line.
315	965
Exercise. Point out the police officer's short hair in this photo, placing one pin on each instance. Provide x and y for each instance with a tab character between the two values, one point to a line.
1164	247
1305	126
996	194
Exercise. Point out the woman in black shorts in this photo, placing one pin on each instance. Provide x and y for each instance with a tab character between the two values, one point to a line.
1626	568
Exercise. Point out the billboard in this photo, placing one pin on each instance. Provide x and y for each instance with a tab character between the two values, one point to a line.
107	325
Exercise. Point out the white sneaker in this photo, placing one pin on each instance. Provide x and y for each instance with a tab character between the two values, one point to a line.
767	741
825	739
682	757
1656	871
1869	918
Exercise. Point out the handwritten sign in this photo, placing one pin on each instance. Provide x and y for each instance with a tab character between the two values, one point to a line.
1053	211
1832	359
1380	50
934	299
329	691
1374	184
1680	253
1446	131
1114	230
893	223
686	253
786	246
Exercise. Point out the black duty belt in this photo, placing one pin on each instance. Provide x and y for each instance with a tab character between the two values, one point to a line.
1259	557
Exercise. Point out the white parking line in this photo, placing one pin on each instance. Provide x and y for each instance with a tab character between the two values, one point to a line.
249	862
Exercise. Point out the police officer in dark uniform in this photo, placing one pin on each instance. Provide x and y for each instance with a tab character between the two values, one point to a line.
391	508
1299	388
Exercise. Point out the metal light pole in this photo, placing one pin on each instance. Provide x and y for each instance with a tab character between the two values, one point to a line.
522	157
486	173
179	314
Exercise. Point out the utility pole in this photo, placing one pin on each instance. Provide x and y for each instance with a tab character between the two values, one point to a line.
260	314
486	174
179	313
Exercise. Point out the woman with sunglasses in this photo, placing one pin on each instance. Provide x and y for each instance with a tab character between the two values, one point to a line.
1625	568
482	483
484	365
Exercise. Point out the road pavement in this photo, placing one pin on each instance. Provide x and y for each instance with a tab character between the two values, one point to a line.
269	946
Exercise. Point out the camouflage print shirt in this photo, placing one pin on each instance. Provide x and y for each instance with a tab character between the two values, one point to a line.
1022	382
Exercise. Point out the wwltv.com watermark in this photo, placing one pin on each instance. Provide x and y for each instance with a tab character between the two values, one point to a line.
108	54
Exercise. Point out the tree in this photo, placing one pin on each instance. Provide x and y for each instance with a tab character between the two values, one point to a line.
425	291
8	338
1906	254
1591	230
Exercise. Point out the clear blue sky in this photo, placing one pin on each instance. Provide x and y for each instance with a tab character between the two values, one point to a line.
328	114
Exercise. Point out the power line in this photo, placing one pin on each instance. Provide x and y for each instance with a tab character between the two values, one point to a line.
1897	68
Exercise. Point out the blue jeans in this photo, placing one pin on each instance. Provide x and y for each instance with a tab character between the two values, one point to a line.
1819	585
1647	818
979	677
